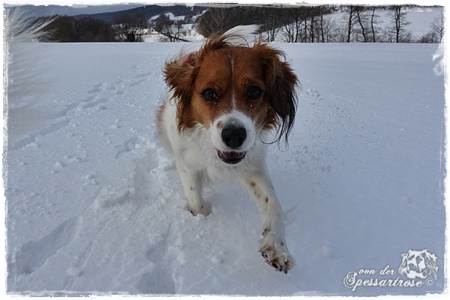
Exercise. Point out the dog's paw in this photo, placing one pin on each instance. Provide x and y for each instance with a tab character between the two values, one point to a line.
204	209
277	255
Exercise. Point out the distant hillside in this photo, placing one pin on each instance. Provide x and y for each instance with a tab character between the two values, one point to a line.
37	11
145	12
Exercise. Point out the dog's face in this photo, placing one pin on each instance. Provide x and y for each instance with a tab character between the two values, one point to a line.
418	264
234	93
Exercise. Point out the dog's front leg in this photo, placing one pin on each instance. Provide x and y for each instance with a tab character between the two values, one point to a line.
273	244
192	181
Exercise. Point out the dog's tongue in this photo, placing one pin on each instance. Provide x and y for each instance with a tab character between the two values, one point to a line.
231	157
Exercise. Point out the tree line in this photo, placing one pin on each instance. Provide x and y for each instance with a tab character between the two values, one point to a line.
292	24
309	24
70	29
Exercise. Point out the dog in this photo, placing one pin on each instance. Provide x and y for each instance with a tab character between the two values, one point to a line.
418	264
227	102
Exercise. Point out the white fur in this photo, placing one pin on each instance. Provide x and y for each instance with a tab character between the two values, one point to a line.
242	35
195	151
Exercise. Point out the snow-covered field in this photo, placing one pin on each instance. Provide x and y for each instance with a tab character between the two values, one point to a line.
94	204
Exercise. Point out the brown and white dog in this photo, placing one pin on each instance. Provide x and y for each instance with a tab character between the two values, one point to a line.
227	102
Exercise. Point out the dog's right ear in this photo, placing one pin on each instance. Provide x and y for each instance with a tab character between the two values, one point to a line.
179	75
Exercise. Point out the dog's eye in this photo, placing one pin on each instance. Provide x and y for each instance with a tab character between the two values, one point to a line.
209	94
254	92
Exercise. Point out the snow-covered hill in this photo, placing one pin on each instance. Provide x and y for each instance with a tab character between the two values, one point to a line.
94	203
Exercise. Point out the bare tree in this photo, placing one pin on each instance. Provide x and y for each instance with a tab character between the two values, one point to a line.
316	14
360	16
351	20
399	20
437	27
213	20
312	27
271	20
372	24
331	31
293	20
322	29
306	23
171	30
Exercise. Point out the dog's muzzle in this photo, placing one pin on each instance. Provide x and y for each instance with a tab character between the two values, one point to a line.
233	136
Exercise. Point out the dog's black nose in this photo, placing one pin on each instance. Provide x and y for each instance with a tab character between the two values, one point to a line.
234	136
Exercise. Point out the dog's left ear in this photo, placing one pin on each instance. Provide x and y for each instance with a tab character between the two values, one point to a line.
280	82
178	75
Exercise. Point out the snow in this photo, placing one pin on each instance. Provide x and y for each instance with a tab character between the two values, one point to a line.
188	32
95	205
169	15
172	17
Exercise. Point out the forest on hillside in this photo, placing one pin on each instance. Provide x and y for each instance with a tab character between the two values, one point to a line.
308	24
291	24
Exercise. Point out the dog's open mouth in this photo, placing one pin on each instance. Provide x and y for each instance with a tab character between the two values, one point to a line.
232	157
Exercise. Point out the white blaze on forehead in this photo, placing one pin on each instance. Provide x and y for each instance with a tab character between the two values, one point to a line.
233	94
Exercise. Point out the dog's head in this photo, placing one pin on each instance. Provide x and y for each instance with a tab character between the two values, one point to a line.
235	92
418	264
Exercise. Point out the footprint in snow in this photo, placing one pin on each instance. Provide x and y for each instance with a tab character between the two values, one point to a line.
33	255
